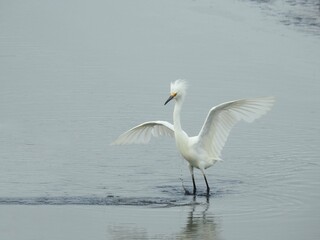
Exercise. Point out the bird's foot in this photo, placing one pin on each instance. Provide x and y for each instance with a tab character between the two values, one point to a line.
187	192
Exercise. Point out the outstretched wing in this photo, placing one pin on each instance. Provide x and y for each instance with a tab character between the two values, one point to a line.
222	118
143	132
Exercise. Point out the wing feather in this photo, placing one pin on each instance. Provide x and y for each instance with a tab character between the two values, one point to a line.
142	133
222	118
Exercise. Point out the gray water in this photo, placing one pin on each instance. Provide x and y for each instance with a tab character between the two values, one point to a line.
75	75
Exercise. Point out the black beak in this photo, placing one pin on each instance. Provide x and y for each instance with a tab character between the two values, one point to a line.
169	99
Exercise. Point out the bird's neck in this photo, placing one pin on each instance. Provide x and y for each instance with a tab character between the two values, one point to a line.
176	117
180	136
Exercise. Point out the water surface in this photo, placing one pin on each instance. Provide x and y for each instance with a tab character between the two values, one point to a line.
75	76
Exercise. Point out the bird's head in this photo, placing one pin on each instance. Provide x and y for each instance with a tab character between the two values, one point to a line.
178	90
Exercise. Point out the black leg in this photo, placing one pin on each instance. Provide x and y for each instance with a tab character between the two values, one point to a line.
208	188
194	185
193	181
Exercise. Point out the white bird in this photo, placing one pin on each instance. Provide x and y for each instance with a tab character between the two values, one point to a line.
203	150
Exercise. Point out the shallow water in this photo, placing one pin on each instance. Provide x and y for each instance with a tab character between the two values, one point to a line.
71	84
301	15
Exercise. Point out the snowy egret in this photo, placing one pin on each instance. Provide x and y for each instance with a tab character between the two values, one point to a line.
203	150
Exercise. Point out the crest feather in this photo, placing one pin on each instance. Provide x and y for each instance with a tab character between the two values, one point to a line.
179	86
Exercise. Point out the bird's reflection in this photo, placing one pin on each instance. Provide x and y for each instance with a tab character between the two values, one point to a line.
200	224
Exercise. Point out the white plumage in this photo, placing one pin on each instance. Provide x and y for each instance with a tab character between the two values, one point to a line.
203	150
143	132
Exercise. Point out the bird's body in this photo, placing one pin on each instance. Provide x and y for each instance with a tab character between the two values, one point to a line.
203	150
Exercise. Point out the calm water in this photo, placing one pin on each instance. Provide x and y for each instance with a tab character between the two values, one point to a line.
76	75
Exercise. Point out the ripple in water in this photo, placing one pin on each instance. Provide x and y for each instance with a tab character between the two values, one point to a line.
176	197
303	14
89	200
